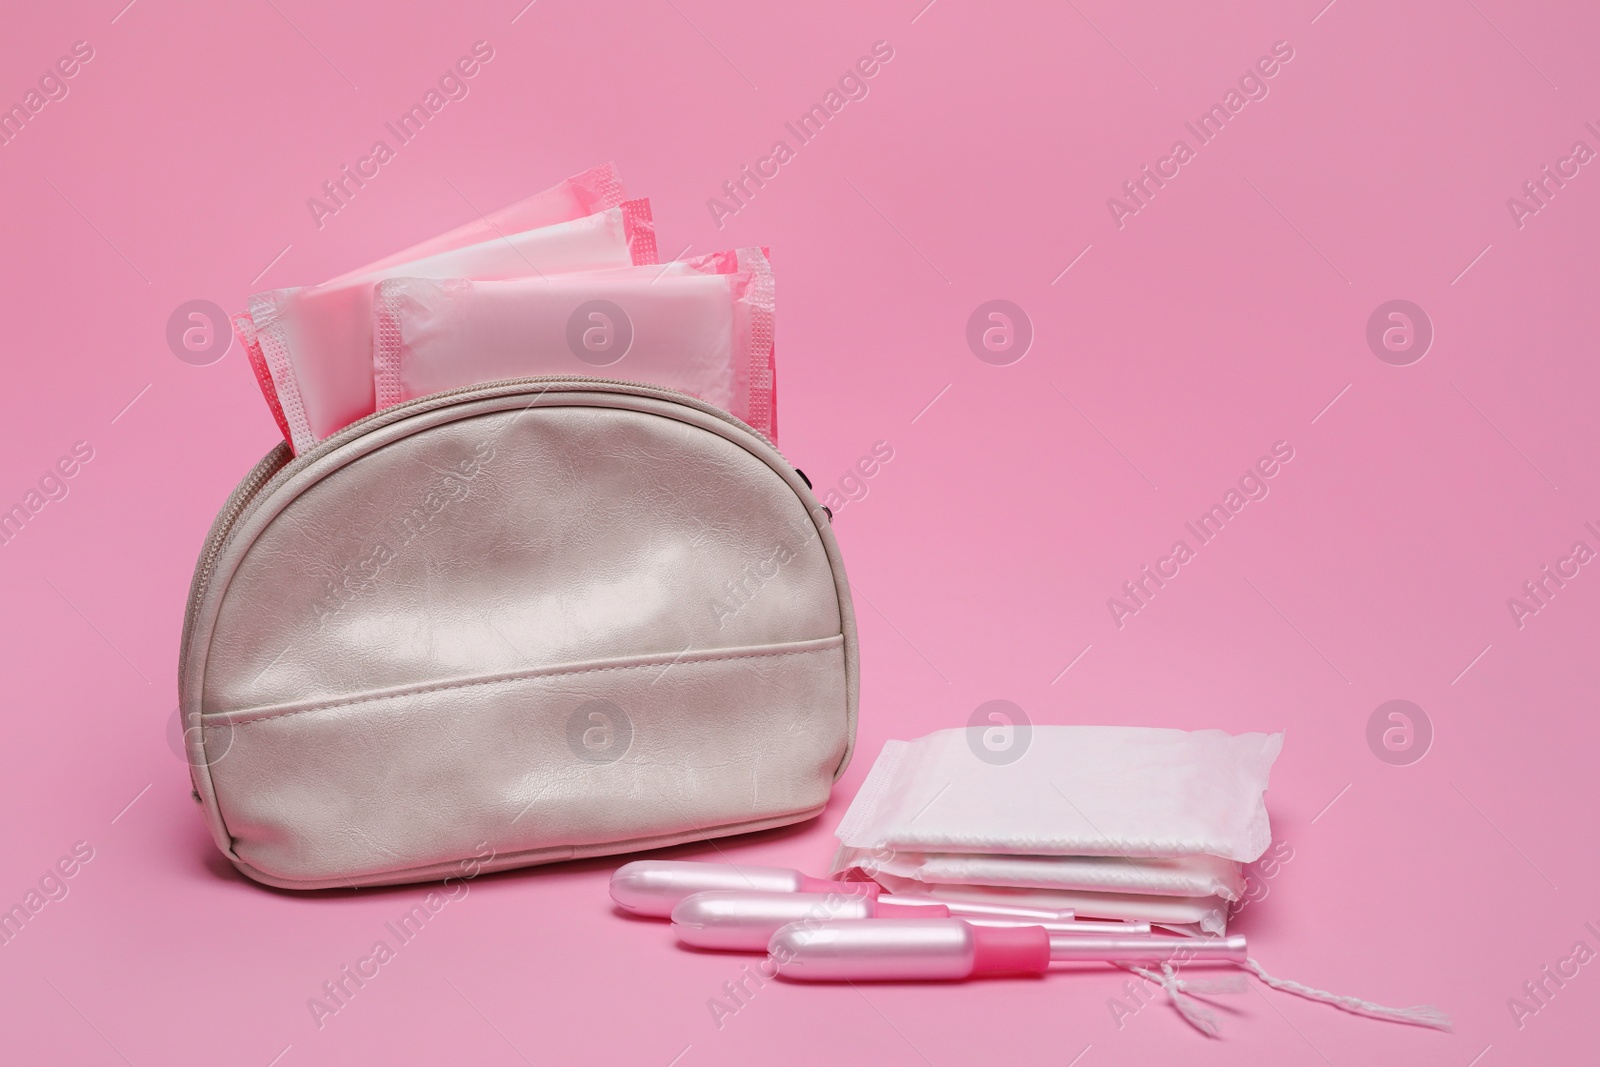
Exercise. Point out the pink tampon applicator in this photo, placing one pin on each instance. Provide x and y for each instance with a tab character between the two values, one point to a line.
745	921
921	950
951	949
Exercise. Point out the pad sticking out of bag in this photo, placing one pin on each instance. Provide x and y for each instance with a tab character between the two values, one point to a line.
701	326
596	189
316	342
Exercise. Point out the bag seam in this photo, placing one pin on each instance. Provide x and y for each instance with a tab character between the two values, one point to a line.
445	687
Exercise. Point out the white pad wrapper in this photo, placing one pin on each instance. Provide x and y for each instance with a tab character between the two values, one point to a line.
1130	823
1192	915
1181	876
1076	791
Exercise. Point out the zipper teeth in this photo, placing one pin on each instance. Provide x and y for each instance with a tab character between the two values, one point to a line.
281	464
422	403
237	502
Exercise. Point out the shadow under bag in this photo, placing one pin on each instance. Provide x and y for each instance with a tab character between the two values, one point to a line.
534	620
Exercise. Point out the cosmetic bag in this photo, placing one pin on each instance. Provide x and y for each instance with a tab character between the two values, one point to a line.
533	620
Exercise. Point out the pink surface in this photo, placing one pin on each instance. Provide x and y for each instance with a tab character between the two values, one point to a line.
1168	354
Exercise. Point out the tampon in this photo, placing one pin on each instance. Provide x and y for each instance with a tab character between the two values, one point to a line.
950	949
654	887
971	909
746	921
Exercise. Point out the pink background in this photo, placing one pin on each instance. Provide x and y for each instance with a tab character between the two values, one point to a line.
1223	317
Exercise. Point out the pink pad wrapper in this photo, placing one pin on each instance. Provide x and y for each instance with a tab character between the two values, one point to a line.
583	194
702	326
596	189
316	342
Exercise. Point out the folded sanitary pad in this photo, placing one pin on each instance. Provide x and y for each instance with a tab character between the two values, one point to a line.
564	282
1077	791
316	341
1114	822
1179	876
702	326
1196	915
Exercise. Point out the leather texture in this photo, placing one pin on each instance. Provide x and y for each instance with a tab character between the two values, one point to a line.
543	620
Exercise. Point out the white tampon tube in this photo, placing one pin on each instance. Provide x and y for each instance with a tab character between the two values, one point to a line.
950	949
967	909
742	921
654	887
1074	927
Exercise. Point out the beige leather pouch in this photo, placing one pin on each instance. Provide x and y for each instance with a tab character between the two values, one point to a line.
535	620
